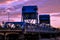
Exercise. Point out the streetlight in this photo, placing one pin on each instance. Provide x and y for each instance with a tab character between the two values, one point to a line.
8	11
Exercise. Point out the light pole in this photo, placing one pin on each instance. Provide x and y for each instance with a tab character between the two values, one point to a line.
8	11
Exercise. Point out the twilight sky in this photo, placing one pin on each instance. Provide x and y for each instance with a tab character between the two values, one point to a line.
51	7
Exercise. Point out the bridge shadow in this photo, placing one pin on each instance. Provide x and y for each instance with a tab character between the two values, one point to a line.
2	37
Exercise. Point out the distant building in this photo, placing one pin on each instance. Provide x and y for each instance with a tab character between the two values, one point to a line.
30	14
